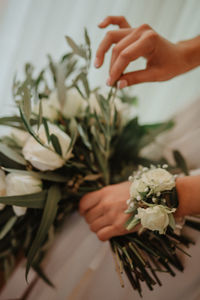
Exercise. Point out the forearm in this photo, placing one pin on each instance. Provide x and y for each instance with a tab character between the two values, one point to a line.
191	50
188	189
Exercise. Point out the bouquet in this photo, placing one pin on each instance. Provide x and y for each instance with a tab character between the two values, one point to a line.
67	140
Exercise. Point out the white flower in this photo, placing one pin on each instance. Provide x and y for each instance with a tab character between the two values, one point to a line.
74	105
126	112
50	107
2	187
154	218
18	184
136	188
20	136
42	158
158	180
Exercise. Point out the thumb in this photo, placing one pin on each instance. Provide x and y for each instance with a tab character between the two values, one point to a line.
147	75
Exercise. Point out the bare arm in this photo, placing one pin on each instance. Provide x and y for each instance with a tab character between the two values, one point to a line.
188	189
165	59
104	210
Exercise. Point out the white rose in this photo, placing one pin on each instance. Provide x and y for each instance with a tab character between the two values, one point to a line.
20	136
74	105
136	188
17	184
154	218
50	107
2	187
42	158
158	180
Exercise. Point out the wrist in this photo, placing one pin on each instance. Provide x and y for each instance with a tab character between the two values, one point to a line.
191	53
188	191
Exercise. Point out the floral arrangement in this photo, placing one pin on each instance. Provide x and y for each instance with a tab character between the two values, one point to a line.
67	140
149	202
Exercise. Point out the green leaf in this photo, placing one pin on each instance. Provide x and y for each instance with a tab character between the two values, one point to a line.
77	49
40	114
56	144
47	220
87	39
28	127
7	227
52	68
35	200
84	136
133	222
42	275
46	128
12	154
60	83
180	162
49	176
83	78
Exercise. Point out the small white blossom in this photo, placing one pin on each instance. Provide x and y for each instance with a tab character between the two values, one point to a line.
145	169
154	200
146	189
165	166
132	205
138	198
158	194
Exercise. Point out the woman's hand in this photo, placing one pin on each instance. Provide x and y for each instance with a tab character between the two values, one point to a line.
104	210
165	60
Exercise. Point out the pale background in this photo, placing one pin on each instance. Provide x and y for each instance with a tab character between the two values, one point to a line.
29	29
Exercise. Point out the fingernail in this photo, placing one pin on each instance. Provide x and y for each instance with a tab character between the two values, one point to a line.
122	84
108	81
97	62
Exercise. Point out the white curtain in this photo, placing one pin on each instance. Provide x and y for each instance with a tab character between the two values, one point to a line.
29	29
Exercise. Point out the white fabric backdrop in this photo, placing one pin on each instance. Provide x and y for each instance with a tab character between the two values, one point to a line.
29	29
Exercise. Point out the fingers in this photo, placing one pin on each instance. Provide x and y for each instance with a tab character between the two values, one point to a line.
110	38
141	47
88	201
114	20
94	213
128	79
129	39
100	223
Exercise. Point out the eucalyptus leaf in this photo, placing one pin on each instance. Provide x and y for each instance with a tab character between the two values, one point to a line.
49	176
46	128
180	162
47	220
7	227
40	114
77	49
56	144
35	200
12	154
60	83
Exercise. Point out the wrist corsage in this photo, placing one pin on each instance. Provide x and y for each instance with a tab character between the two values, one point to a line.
153	199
